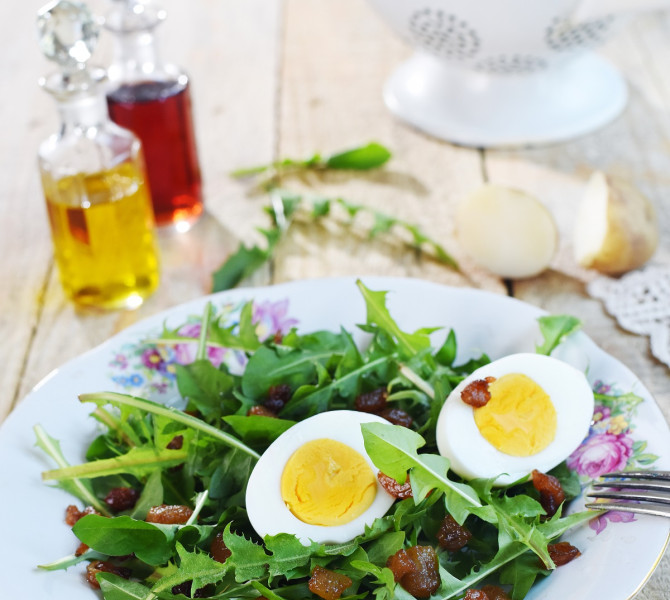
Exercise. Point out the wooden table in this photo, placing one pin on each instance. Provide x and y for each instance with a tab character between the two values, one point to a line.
274	79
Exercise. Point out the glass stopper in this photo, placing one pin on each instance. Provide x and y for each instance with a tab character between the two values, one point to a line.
129	16
68	33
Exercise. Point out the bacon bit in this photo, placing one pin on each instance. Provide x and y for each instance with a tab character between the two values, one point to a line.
452	536
372	402
328	584
551	491
101	566
73	514
176	443
121	498
476	393
260	411
424	578
218	549
562	553
278	396
169	514
397	416
395	489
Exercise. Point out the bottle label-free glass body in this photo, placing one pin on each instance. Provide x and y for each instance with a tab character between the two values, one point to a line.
103	234
160	114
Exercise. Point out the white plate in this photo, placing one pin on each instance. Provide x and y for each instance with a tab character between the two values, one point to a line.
614	564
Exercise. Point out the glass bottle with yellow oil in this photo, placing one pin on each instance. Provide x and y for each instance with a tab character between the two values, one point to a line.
93	175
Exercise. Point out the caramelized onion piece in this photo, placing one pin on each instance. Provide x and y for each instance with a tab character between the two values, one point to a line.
103	566
121	498
328	584
476	393
218	549
372	402
395	489
452	536
169	514
278	396
551	491
73	514
562	553
488	592
424	578
397	416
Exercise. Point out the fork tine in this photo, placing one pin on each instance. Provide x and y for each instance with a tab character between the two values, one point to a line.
648	509
639	484
645	492
643	474
636	496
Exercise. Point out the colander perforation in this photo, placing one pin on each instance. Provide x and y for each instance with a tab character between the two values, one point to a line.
561	35
509	64
443	34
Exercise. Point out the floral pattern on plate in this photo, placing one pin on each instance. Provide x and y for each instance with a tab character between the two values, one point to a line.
610	445
148	368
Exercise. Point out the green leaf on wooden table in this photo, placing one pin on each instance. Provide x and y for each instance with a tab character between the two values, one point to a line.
554	329
360	158
371	156
244	262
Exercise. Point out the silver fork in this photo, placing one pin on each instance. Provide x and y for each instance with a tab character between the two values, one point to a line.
644	492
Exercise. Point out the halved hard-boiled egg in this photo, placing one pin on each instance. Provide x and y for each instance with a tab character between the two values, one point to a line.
535	410
316	481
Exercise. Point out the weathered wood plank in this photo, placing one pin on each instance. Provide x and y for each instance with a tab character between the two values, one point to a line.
24	238
336	59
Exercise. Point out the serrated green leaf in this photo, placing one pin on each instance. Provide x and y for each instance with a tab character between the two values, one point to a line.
247	558
114	587
287	555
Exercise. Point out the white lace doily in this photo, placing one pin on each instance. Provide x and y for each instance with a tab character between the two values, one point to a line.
640	302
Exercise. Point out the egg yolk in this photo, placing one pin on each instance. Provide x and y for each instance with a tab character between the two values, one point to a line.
326	482
519	419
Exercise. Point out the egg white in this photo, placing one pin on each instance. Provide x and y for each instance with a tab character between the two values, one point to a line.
266	508
472	456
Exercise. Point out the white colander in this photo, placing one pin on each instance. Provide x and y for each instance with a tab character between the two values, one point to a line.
506	72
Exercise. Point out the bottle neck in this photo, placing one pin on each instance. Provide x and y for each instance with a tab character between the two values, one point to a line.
82	113
136	57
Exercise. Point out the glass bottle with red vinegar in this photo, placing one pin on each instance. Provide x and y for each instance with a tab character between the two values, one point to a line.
153	99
